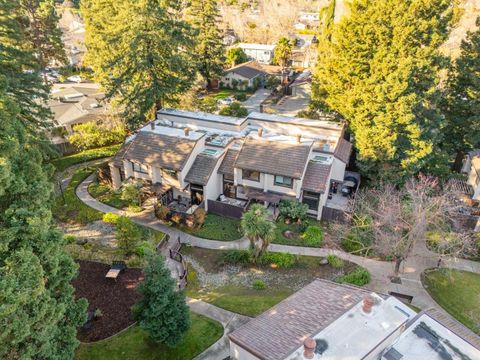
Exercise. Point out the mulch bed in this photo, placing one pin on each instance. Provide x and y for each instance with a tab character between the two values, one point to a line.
114	299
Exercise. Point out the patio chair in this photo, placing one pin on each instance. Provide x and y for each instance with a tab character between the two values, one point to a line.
115	270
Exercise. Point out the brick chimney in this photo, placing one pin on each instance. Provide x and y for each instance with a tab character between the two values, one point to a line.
368	302
152	124
299	138
186	131
260	132
309	348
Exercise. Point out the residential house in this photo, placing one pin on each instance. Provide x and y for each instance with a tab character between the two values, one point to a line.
249	75
225	163
471	167
263	53
326	320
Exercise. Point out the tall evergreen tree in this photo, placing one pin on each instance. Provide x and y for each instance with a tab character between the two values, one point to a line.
384	82
140	52
203	15
462	100
38	313
162	312
42	33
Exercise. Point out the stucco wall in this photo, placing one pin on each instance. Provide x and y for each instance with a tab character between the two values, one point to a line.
234	76
338	170
239	353
262	56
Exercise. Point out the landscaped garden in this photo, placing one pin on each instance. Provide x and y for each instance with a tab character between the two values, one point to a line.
134	344
217	227
230	280
83	156
458	292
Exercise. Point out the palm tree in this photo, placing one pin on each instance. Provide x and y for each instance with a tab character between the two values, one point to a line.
257	228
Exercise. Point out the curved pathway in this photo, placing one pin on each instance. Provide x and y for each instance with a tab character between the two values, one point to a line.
410	274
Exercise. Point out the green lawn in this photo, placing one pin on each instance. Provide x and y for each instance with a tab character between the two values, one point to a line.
295	228
106	195
217	228
458	292
74	210
134	344
224	93
92	154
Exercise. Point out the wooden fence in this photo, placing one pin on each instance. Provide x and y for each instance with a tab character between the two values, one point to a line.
331	214
224	209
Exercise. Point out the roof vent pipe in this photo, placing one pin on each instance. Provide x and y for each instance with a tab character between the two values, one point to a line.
260	132
309	348
152	124
368	302
186	131
299	138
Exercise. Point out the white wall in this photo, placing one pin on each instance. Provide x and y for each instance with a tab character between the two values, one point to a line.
294	129
238	180
262	56
214	186
338	170
234	76
127	166
239	353
156	175
269	185
115	173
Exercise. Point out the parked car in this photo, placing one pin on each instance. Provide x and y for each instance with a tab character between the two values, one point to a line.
349	186
75	78
226	101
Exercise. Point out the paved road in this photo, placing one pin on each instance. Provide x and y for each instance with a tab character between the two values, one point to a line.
253	102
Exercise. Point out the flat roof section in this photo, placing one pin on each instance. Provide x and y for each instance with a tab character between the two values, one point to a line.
325	124
201	116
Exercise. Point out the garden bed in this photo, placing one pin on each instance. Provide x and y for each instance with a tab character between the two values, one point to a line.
217	228
296	231
107	195
113	298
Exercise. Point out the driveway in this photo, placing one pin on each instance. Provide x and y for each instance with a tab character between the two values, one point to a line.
292	104
253	102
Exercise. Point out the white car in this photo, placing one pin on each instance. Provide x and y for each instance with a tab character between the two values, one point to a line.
75	78
226	101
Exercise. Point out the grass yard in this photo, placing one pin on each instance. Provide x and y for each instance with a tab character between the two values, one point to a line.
74	210
297	240
217	228
134	344
106	195
224	93
87	155
458	292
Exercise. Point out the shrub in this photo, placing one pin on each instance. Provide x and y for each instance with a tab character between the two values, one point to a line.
235	257
69	239
293	210
145	248
281	260
199	217
110	218
313	236
360	276
208	104
98	313
134	208
259	284
131	192
176	218
128	235
241	96
235	109
335	261
162	212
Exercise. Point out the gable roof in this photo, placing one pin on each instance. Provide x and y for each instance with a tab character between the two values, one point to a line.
226	167
160	150
248	70
117	159
273	157
343	150
201	169
281	330
316	177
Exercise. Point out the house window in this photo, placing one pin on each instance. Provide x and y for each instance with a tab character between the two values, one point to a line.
227	79
251	175
143	169
283	181
311	199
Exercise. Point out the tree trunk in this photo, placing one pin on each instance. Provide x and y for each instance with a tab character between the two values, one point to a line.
158	106
398	262
457	165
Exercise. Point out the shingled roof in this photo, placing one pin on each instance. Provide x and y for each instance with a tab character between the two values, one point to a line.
160	150
117	159
316	177
281	330
226	167
343	150
201	169
273	157
248	70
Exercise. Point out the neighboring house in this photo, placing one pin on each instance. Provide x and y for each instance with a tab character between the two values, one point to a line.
299	26
73	32
263	53
326	320
310	18
231	162
245	76
471	167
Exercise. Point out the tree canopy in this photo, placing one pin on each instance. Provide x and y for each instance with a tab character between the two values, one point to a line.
385	82
140	52
203	15
236	56
38	313
283	52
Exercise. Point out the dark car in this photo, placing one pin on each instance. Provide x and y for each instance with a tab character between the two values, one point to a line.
349	186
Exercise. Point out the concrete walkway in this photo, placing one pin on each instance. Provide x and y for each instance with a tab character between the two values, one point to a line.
253	102
380	271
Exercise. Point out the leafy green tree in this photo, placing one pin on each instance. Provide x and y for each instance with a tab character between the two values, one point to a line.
283	52
162	312
38	313
385	83
327	17
236	56
42	34
462	101
208	104
92	135
203	15
140	52
257	228
235	109
128	234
